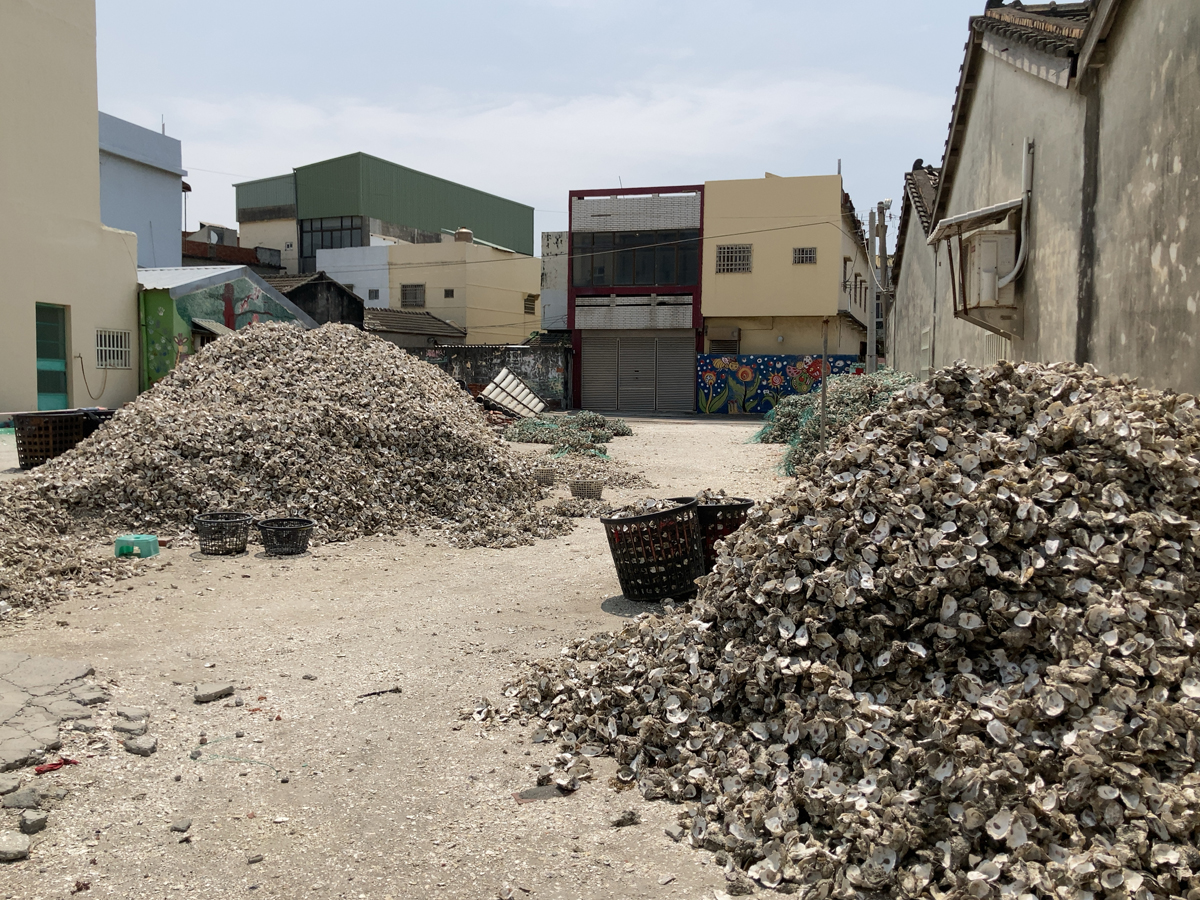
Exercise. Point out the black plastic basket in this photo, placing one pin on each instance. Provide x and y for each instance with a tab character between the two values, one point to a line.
658	555
285	537
718	520
222	533
44	435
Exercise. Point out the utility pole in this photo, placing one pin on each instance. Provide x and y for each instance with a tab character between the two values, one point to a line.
872	293
884	206
824	374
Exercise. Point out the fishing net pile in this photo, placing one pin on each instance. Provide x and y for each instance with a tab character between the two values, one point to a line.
797	418
331	424
577	433
958	660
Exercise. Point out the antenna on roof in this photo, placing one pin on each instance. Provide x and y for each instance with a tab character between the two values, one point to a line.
620	182
839	167
164	124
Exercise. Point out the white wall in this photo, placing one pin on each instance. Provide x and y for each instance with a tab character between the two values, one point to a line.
141	188
555	271
363	267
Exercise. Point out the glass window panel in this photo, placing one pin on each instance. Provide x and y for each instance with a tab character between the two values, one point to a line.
581	265
306	245
664	258
329	224
602	265
305	226
623	267
356	238
326	240
51	382
687	266
643	265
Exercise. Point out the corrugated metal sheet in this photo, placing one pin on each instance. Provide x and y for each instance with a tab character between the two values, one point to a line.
675	375
364	185
599	372
277	191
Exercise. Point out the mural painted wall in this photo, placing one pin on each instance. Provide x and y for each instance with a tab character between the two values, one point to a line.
167	323
755	384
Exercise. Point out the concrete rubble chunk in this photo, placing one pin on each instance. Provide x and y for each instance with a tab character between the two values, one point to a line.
9	783
214	690
33	821
141	746
25	798
131	728
131	713
13	846
181	825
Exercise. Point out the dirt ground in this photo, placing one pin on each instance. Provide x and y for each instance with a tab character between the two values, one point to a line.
393	795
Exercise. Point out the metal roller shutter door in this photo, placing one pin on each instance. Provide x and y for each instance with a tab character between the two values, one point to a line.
635	384
598	372
676	374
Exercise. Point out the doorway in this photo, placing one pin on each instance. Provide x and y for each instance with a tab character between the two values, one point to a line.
52	357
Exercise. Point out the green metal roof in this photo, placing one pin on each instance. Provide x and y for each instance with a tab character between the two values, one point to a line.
364	185
277	191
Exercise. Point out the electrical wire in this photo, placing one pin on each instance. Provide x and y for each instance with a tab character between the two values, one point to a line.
83	372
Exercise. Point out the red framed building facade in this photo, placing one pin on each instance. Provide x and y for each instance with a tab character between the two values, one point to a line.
633	297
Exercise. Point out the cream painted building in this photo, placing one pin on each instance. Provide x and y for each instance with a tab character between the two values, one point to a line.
491	292
781	255
69	304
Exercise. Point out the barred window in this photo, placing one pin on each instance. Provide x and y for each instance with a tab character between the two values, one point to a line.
804	256
412	296
733	258
372	293
531	304
114	349
448	293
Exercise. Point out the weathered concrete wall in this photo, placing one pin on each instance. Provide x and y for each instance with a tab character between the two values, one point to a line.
141	188
327	303
913	311
1009	106
546	369
1148	197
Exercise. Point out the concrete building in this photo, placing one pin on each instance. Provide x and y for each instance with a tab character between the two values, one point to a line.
556	274
1095	258
141	188
491	292
69	304
782	256
348	201
633	304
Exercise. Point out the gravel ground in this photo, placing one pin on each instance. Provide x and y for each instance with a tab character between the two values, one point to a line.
393	795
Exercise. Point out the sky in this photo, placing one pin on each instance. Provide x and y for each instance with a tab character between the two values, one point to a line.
529	99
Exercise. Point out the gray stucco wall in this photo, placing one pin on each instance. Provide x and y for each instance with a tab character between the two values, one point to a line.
141	188
913	310
1148	197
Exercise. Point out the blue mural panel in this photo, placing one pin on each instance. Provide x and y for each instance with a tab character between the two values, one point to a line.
755	384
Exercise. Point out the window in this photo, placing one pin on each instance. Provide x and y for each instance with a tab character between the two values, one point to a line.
201	339
624	258
531	304
448	294
289	245
804	256
329	233
113	349
725	348
372	293
733	258
412	296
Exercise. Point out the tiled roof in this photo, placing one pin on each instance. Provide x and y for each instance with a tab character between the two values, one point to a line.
920	190
409	321
287	283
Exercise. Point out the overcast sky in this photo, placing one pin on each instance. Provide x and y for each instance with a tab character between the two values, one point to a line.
531	98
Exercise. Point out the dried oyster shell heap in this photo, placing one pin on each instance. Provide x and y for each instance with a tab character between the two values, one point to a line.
577	508
644	508
567	465
958	659
333	424
578	432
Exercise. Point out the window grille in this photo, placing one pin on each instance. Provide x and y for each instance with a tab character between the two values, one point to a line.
114	349
412	296
372	293
733	258
531	304
448	294
804	256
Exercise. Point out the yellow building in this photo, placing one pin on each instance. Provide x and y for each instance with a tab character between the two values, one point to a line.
69	303
781	255
491	292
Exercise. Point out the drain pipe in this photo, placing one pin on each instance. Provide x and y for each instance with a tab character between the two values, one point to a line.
1026	194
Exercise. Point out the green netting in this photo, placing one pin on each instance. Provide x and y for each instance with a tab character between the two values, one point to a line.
581	432
797	419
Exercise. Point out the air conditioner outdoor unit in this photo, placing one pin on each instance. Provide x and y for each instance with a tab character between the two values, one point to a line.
989	256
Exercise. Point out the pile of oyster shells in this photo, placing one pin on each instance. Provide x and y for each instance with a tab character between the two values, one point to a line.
332	424
613	472
958	660
644	508
579	508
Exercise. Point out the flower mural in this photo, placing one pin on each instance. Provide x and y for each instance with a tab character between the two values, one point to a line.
755	384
